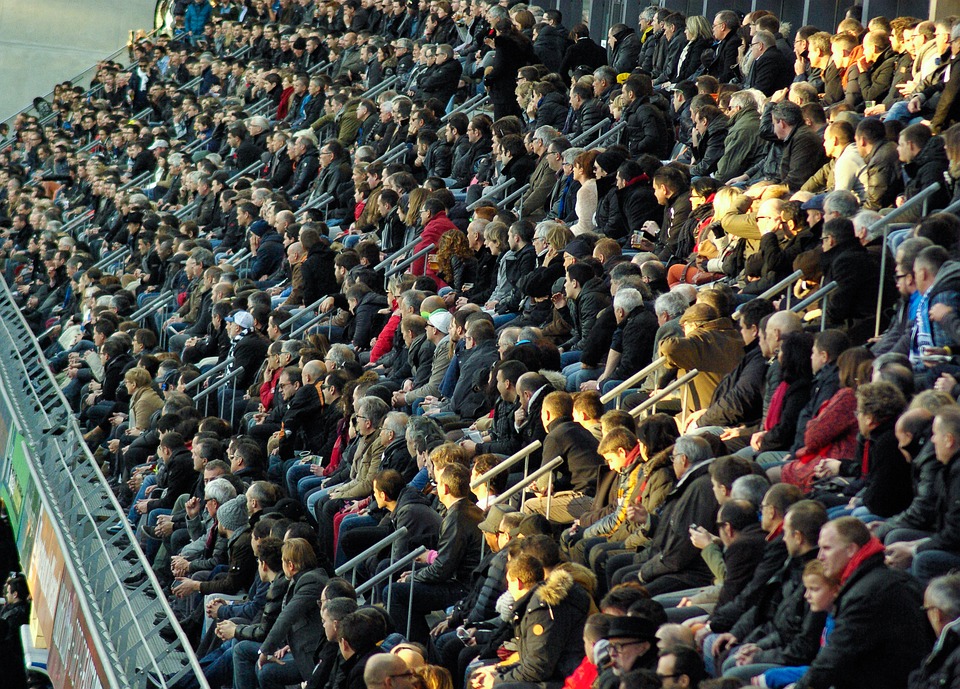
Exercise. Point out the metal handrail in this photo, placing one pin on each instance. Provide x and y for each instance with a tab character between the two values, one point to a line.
491	191
111	257
208	374
543	470
779	287
240	173
396	254
72	438
884	222
409	261
469	104
585	135
507	463
354	562
219	384
154	305
662	394
515	194
390	571
303	327
815	297
311	307
615	129
632	381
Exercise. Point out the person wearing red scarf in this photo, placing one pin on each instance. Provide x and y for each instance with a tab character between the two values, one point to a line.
881	632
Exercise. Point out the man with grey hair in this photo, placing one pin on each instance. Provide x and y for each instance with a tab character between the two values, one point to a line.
337	356
441	81
563	198
840	204
351	481
604	83
742	146
632	345
941	601
770	70
671	562
544	176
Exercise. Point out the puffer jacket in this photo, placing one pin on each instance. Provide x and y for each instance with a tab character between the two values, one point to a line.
257	631
549	625
583	311
646	130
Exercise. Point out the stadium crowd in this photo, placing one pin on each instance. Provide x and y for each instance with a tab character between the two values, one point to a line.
790	518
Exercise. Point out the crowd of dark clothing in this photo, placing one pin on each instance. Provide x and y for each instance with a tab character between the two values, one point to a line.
310	272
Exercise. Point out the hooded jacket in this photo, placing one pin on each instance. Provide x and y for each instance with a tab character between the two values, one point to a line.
548	623
646	130
593	298
625	55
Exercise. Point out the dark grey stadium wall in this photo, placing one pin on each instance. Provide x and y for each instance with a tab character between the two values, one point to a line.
43	42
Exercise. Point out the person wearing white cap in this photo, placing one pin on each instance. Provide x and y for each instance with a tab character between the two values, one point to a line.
438	329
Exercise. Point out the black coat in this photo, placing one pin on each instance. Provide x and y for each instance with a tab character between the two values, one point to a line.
690	502
928	167
646	130
942	667
863	651
304	172
594	297
741	559
550	46
441	81
637	333
511	52
458	549
585	52
770	72
946	534
367	320
625	55
578	448
547	623
726	614
857	277
889	489
415	512
249	351
12	617
725	63
552	110
738	398
709	148
317	272
691	63
298	623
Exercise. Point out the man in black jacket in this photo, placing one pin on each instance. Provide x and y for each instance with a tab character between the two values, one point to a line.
725	63
864	650
671	562
942	604
575	481
771	69
444	581
778	627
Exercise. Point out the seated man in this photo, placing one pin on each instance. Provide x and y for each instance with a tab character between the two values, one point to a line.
444	581
575	481
549	615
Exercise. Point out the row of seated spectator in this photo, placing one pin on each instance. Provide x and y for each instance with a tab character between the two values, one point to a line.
262	168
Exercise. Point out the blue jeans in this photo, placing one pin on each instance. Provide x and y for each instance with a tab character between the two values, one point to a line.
314	500
568	358
132	515
576	375
350	522
898	111
928	564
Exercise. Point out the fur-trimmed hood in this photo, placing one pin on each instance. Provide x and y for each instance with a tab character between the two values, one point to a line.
580	575
557	586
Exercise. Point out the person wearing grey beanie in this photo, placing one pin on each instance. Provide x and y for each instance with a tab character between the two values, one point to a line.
234	525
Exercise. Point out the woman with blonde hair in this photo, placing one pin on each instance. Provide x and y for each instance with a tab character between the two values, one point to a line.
435	677
699	35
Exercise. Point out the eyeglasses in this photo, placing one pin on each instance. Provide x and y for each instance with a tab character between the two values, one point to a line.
902	276
359	418
618	646
408	673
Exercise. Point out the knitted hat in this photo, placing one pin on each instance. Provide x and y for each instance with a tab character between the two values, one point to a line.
609	161
232	515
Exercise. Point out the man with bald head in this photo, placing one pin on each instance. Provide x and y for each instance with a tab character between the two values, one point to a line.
387	671
295	258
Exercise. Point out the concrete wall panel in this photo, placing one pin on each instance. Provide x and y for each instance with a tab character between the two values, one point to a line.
43	42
